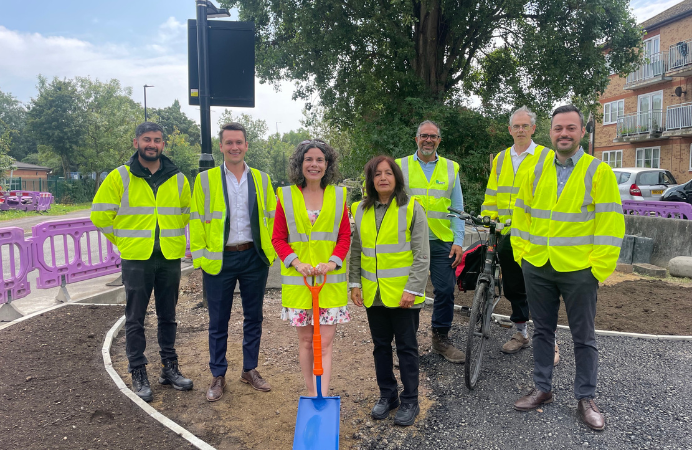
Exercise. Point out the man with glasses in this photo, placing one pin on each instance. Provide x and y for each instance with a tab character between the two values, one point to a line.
506	176
231	223
434	182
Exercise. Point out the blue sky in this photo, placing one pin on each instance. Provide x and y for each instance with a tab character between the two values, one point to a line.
138	42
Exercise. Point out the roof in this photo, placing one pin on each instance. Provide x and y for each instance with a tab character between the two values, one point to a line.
26	166
676	12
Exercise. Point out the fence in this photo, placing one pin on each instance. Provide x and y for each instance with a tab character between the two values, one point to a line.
679	55
656	65
679	116
62	251
673	210
25	201
642	122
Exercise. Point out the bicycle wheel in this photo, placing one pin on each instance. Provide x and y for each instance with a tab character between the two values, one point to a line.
475	340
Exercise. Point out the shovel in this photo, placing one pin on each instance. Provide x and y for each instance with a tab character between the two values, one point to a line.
317	421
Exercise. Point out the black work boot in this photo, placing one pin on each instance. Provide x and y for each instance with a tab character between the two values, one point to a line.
407	414
383	406
140	383
170	374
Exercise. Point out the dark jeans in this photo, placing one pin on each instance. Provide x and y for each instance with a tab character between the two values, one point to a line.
401	324
443	279
141	277
248	269
544	286
513	281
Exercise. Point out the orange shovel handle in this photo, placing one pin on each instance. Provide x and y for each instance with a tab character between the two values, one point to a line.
316	336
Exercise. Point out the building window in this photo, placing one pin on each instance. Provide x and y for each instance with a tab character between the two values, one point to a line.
612	110
613	158
649	157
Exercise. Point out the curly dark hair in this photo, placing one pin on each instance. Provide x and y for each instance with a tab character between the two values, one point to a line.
295	163
399	188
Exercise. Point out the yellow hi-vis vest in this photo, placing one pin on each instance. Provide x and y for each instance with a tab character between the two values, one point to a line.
313	244
386	256
126	212
434	195
208	218
503	184
583	228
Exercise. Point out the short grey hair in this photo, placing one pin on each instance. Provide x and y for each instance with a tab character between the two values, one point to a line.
425	122
526	110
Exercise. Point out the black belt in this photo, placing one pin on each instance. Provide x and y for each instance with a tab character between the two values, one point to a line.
239	247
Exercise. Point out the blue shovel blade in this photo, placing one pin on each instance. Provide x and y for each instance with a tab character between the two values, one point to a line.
317	423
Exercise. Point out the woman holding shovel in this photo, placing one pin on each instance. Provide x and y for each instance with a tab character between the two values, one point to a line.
390	258
311	237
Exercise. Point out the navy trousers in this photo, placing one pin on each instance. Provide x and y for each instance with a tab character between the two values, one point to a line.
513	281
578	289
443	279
248	269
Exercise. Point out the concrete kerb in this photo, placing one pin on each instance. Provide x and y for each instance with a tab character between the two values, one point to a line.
165	421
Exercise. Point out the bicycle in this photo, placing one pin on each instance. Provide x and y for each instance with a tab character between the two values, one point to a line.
487	294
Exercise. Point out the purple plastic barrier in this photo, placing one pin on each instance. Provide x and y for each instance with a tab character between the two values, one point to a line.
673	210
74	266
14	283
26	201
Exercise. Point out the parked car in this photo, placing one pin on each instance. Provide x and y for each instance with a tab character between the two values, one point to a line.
643	184
679	193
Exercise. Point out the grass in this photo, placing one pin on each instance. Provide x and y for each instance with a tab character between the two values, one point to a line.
55	210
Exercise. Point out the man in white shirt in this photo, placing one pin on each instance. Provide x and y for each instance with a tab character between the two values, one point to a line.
500	196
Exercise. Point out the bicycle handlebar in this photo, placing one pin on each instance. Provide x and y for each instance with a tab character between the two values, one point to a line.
485	221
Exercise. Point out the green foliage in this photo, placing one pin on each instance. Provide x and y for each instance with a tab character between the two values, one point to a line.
183	154
172	118
5	159
257	155
13	119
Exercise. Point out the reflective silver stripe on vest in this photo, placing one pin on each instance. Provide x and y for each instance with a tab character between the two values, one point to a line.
172	232
181	183
133	233
437	215
525	235
451	177
419	191
538	170
298	280
368	275
104	207
608	240
265	183
489	208
491	192
519	203
588	180
385	273
404	169
169	210
106	230
608	207
508	190
540	213
338	213
214	215
504	212
293	235
125	176
583	216
270	214
204	253
136	210
500	161
571	241
185	210
538	240
204	182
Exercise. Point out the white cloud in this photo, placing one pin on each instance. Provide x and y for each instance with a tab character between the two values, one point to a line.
647	10
23	56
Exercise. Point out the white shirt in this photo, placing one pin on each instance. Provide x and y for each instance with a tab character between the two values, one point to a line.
517	159
239	211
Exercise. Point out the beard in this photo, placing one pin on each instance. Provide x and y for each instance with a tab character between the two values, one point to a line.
142	154
574	145
426	152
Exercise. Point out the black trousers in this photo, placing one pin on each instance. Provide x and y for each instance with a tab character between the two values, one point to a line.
579	292
401	324
513	281
141	277
248	269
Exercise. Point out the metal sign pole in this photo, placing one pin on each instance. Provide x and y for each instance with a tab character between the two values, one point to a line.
206	161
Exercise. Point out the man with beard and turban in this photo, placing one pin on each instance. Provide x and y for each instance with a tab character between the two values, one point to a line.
142	207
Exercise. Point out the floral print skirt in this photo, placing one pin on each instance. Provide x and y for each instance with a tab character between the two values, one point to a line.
303	317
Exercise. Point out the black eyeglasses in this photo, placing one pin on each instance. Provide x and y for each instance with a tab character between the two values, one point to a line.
432	137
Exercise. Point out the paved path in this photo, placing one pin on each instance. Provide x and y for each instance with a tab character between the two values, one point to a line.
644	391
26	223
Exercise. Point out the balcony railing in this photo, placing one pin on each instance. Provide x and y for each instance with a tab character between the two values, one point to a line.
679	116
640	123
680	55
654	66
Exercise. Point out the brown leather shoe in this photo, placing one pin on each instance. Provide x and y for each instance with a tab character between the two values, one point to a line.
215	391
254	379
556	358
589	414
533	400
516	343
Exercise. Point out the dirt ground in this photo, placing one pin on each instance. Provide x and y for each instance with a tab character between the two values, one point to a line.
55	393
245	418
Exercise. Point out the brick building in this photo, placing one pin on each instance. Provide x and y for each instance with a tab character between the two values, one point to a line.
647	117
33	177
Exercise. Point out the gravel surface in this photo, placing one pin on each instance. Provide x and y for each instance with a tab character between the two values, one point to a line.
644	391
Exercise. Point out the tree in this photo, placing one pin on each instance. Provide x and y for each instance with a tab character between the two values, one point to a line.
57	119
257	155
183	155
13	119
172	118
5	141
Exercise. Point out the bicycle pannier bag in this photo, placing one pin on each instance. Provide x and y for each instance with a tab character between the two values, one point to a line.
470	267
